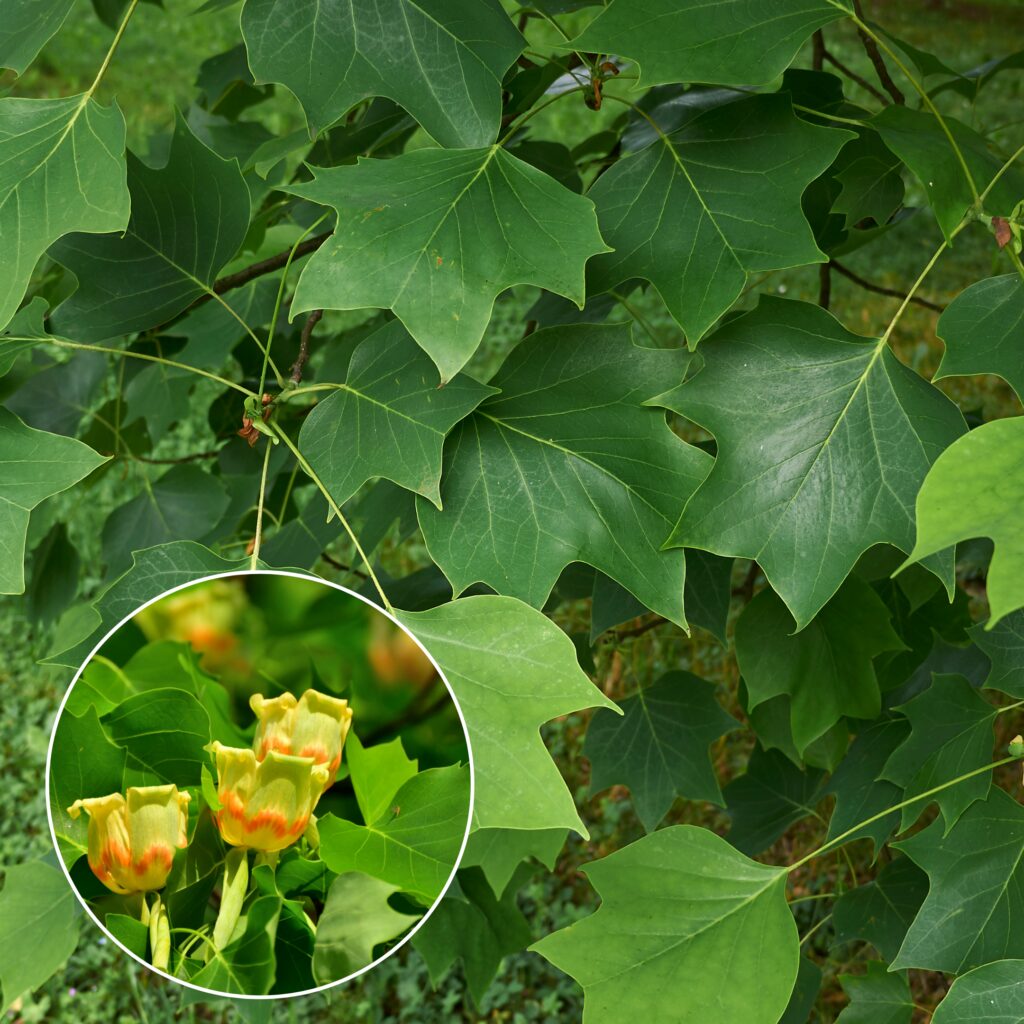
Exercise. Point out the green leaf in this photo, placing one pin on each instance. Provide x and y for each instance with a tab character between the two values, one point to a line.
511	670
805	993
769	797
54	582
688	929
414	844
33	466
377	773
917	138
246	965
823	439
38	927
164	731
985	464
677	212
951	733
102	685
498	852
61	169
180	505
972	913
27	27
721	42
85	763
860	792
659	746
355	919
987	995
983	331
1004	644
566	465
389	419
870	179
188	219
471	925
881	911
877	997
129	931
443	60
825	669
436	234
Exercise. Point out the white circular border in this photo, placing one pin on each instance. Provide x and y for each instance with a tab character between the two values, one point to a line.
469	817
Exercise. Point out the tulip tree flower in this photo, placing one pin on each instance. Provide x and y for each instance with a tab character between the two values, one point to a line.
132	841
313	726
265	805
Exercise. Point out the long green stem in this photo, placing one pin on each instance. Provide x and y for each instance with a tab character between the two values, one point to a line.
258	538
233	893
115	42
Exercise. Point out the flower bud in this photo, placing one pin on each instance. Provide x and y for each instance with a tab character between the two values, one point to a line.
265	805
132	842
313	726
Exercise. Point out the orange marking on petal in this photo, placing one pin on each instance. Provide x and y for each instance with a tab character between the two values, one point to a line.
158	853
279	744
317	751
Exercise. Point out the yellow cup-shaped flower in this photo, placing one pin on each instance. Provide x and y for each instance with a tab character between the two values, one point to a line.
313	726
265	805
132	841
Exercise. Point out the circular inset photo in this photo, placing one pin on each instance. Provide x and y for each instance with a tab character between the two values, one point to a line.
259	784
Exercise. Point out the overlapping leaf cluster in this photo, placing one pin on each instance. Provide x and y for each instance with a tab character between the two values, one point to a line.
215	278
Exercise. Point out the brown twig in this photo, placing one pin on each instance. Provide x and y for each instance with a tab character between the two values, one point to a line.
640	628
818	50
341	566
418	711
824	285
881	289
195	456
871	48
311	321
746	588
853	76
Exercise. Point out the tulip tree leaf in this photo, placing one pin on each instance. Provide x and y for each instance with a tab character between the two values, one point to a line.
498	852
1004	644
823	439
677	212
436	234
413	845
971	915
27	27
877	997
566	465
389	419
246	964
881	911
356	917
33	466
443	60
688	929
951	733
724	42
659	746
983	331
985	464
61	169
872	185
511	670
188	219
825	669
377	773
991	994
38	927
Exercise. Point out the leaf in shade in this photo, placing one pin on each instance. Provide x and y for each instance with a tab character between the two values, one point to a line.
54	582
772	722
188	219
57	398
659	745
805	993
61	169
413	845
1004	644
986	465
724	42
356	918
34	465
566	465
971	915
688	929
436	235
872	185
27	27
377	773
498	852
443	60
511	670
860	792
246	964
678	212
877	997
389	419
823	439
825	669
470	924
881	911
983	331
769	797
991	994
38	927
